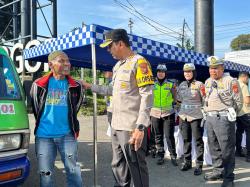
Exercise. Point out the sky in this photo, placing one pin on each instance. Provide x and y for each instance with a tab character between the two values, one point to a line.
160	20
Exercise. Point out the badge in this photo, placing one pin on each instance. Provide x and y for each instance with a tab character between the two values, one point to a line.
202	90
123	85
235	87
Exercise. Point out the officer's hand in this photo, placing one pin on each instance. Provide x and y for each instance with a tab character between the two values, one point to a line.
86	85
136	138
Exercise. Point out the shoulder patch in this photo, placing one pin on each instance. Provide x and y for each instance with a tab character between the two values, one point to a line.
144	75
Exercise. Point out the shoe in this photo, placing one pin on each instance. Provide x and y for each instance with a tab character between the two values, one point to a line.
239	154
212	176
186	165
248	159
153	153
174	162
227	184
198	170
160	161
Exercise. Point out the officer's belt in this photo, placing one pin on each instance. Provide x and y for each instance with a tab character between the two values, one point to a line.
190	106
215	113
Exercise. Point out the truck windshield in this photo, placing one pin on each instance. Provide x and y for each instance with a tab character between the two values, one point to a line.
8	85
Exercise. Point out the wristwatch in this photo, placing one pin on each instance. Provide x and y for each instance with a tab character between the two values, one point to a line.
141	127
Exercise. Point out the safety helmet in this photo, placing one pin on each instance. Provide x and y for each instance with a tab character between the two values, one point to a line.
188	67
214	61
161	67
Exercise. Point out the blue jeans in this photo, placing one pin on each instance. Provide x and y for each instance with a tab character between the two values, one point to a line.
46	151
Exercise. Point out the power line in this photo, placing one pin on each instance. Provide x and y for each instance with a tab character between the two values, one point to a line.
128	9
231	24
151	19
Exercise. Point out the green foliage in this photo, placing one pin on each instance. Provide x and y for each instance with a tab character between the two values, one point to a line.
88	109
241	42
187	44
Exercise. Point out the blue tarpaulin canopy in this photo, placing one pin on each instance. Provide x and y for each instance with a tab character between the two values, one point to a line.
77	44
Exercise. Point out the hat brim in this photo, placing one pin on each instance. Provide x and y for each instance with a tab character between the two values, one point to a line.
188	69
215	65
106	43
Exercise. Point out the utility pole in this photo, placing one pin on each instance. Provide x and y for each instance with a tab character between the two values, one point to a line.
130	25
183	33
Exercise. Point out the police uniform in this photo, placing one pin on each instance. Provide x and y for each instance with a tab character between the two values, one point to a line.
163	118
132	99
221	96
191	94
243	123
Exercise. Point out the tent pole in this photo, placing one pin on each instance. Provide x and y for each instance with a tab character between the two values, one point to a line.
93	53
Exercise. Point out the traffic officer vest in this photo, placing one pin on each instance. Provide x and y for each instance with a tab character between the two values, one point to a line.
163	97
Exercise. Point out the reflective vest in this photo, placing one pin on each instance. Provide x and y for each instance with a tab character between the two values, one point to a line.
163	97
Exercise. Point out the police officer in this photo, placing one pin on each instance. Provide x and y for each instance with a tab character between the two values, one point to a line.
223	100
131	91
243	118
162	114
190	94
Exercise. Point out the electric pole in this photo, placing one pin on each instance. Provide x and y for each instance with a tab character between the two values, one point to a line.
183	33
130	25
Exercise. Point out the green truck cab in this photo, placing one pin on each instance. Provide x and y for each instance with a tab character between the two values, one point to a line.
14	126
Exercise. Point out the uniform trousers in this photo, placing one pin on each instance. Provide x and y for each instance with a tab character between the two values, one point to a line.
127	164
189	129
161	127
243	124
221	141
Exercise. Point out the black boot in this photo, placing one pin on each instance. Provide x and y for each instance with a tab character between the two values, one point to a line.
153	153
198	170
173	161
160	161
227	184
247	159
186	165
239	153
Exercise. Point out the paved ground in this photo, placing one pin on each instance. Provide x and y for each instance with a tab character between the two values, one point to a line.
160	176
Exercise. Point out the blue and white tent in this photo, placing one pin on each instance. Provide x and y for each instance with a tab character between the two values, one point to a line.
82	47
77	44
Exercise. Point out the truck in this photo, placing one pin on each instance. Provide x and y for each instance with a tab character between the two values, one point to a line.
14	125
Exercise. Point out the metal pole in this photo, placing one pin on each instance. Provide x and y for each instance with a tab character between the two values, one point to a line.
33	20
93	52
183	34
25	25
204	26
9	4
82	73
130	25
15	20
54	18
44	17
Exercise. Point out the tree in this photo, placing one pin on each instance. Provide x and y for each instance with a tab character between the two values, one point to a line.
241	42
187	44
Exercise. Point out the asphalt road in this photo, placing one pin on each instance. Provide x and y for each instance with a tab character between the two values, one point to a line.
160	176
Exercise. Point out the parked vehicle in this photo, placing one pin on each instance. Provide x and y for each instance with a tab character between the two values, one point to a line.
14	126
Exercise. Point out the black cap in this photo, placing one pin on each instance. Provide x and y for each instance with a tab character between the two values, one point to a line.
115	36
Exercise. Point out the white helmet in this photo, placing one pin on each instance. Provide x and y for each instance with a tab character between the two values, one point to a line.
161	67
